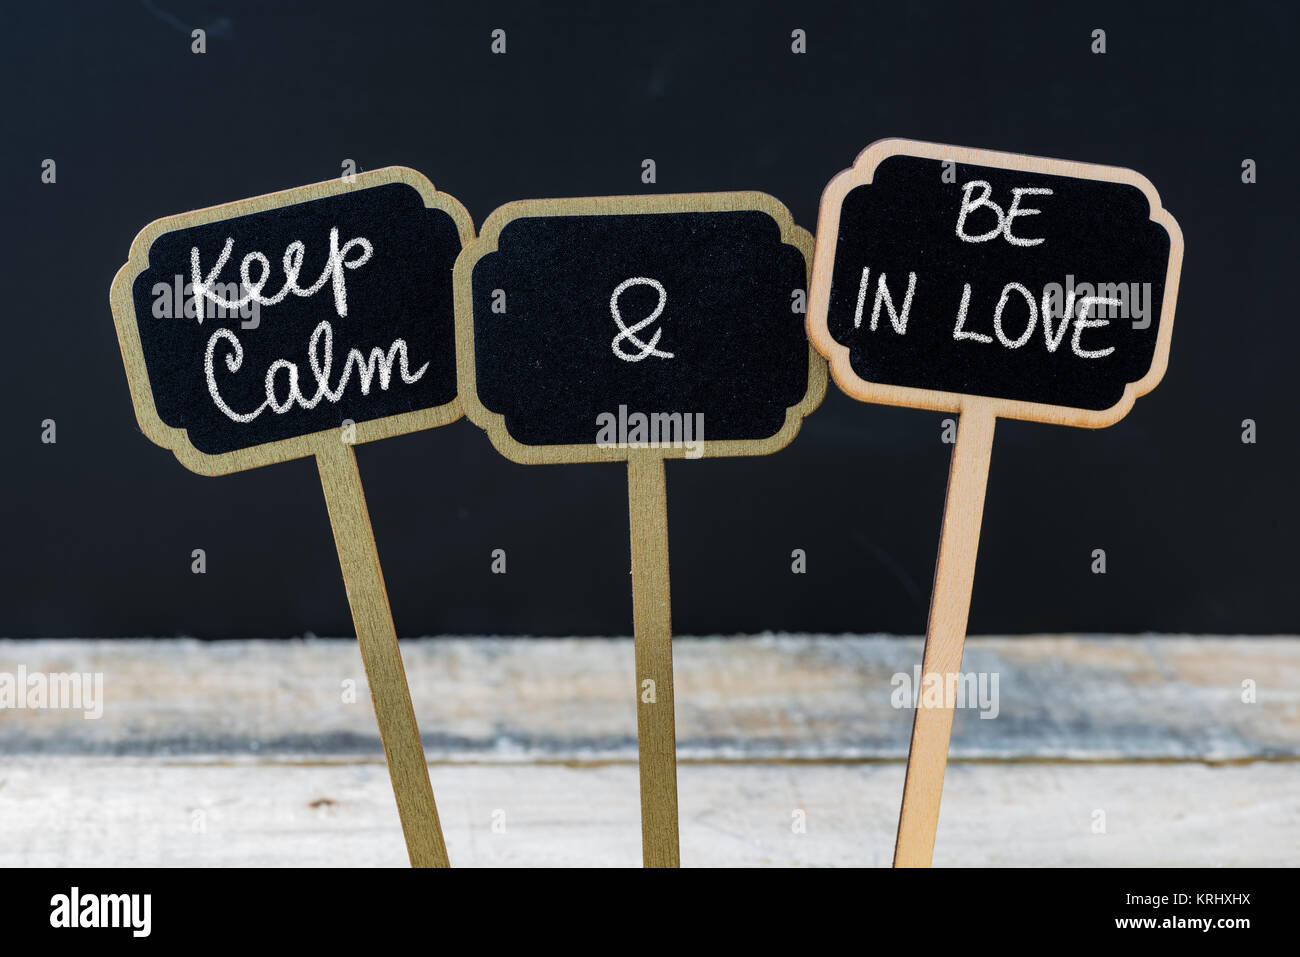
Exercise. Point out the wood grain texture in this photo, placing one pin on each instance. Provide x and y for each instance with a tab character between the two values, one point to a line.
652	617
954	576
242	812
245	753
377	638
799	699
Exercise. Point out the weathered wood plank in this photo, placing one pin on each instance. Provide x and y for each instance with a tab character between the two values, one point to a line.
94	811
769	697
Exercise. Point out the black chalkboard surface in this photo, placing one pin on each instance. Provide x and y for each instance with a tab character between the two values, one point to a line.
259	323
582	319
951	272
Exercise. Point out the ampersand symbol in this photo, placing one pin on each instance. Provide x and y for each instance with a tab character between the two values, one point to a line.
630	332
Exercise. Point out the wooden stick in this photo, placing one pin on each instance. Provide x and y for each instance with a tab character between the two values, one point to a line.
373	620
945	634
652	617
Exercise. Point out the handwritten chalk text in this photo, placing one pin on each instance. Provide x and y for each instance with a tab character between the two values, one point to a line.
320	357
335	265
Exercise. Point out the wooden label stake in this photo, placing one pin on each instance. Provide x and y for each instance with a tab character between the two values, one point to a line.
368	599
299	324
639	328
945	634
653	629
989	285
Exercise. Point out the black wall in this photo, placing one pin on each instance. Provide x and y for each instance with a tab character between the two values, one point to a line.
1198	528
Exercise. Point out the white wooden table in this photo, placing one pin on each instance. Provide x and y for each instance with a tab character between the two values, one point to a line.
266	753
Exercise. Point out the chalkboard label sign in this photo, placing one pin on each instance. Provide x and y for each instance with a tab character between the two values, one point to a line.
986	284
591	328
298	324
639	328
254	331
1044	287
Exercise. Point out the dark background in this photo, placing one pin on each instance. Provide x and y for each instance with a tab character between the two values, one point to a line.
1198	528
